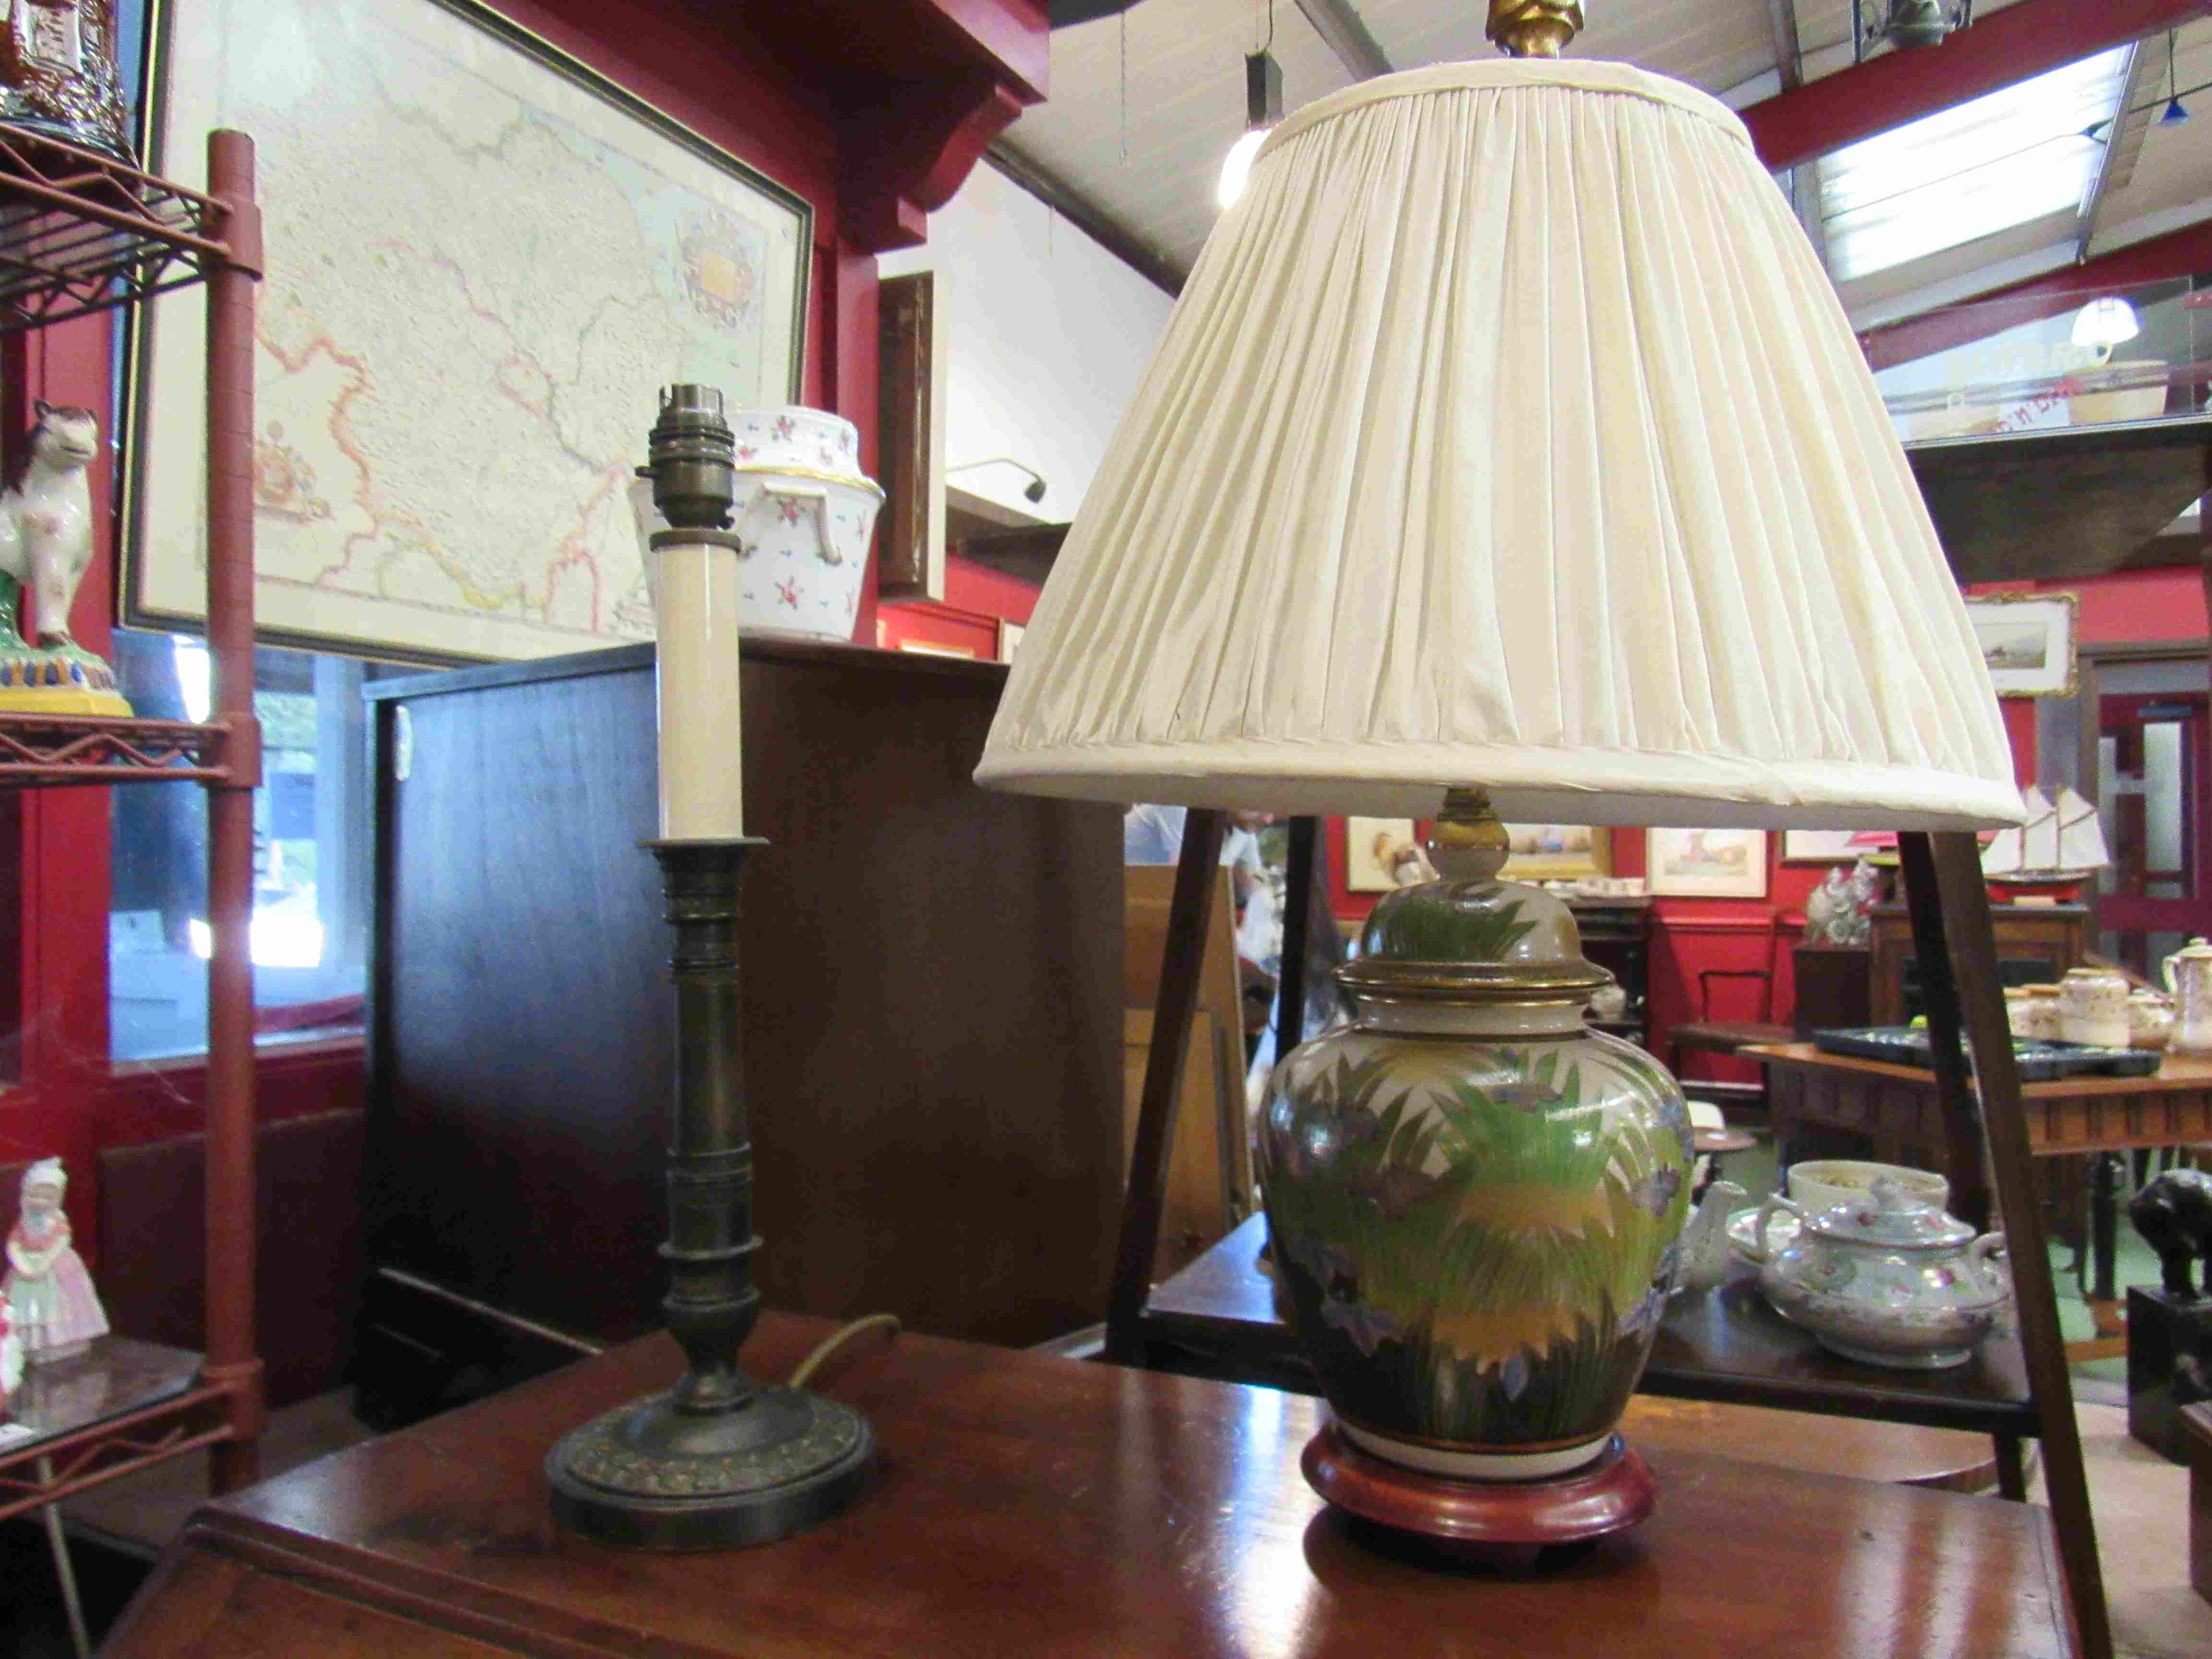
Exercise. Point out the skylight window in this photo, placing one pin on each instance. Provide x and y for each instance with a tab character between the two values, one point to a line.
1971	171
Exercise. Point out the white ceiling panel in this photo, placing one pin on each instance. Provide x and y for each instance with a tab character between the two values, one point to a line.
1141	136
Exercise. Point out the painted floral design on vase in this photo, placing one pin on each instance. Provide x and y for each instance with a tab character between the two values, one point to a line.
1475	1202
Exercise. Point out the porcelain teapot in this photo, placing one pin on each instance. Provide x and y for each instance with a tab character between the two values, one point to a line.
1705	1258
1887	1278
2188	974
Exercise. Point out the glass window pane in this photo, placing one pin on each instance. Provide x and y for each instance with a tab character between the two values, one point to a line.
310	848
2162	805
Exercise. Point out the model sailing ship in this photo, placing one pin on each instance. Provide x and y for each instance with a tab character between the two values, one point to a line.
2046	860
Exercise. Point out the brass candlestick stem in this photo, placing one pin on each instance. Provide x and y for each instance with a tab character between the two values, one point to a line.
721	1460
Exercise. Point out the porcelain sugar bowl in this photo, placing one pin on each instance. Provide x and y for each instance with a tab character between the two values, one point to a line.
804	516
1889	1279
1475	1200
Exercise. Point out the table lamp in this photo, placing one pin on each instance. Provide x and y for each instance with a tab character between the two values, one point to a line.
721	1459
1508	455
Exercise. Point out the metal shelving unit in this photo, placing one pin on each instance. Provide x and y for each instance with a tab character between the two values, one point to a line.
82	233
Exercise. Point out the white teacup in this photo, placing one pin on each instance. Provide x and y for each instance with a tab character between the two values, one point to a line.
1821	1184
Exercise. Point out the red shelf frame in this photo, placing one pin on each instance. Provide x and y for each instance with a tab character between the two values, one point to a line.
81	231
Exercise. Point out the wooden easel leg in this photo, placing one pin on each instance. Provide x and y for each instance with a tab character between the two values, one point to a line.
1298	901
1190	914
1939	996
1956	867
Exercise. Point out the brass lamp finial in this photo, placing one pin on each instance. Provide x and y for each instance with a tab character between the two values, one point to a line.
1468	842
1534	29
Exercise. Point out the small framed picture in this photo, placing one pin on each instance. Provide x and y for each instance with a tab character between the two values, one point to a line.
1377	852
2027	641
1556	852
1706	863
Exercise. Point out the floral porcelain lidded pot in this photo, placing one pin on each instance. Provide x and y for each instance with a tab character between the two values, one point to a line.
1474	1200
804	516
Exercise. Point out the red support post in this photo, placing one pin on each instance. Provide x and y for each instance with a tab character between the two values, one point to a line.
232	1360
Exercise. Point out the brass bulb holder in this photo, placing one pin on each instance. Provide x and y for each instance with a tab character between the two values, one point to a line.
1534	28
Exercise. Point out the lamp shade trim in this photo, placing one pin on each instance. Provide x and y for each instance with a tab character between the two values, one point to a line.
1528	784
1512	75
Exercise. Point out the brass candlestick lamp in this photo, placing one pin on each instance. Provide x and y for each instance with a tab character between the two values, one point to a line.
721	1460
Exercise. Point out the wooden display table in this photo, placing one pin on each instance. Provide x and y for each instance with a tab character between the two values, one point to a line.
1030	1504
1896	1106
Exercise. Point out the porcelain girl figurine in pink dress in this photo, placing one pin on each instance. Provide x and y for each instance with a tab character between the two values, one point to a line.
11	1357
57	1313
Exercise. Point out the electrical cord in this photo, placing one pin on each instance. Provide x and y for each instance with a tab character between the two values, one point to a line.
836	1339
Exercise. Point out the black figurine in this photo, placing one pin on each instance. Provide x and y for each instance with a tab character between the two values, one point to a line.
2173	1213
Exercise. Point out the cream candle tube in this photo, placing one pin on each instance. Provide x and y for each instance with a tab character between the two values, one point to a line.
695	687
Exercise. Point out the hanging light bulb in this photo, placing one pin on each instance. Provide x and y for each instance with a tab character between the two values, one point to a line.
2175	115
2104	323
1263	109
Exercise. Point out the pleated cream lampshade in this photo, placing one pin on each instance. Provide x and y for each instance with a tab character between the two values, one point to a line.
1509	433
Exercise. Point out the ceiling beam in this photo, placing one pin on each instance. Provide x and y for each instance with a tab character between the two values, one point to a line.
2183	252
2003	47
1344	31
1089	217
2123	137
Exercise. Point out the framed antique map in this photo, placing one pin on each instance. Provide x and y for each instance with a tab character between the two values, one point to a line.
483	261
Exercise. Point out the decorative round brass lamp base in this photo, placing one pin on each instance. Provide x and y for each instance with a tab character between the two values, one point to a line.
650	1477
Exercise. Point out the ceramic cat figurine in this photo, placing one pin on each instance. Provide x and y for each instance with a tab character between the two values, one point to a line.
46	547
45	522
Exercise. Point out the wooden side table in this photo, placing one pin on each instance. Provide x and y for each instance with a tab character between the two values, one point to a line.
1027	1503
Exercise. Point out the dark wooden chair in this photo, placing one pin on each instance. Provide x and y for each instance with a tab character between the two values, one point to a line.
1706	1035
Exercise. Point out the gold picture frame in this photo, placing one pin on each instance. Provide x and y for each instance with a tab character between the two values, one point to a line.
2029	641
466	500
1557	852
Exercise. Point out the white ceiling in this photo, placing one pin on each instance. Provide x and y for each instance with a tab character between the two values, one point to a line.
1145	143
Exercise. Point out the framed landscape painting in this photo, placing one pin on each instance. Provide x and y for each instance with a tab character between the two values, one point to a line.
1706	863
483	261
1557	852
2027	641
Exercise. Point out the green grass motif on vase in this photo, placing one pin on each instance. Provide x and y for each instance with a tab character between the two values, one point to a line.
1387	1260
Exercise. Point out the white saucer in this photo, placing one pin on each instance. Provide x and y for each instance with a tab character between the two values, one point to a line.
1781	1229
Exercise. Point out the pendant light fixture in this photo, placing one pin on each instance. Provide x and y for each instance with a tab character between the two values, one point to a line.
2106	323
2175	115
1263	110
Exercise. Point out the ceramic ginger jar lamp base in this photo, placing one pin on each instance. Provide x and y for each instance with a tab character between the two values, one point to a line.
1476	1201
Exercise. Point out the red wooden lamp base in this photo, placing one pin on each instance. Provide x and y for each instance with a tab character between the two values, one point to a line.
1500	1523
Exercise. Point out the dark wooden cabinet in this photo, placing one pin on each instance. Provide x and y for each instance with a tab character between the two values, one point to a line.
1832	986
1616	934
2036	943
932	1003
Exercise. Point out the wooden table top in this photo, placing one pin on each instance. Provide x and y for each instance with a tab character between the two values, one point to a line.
2177	1073
1027	1503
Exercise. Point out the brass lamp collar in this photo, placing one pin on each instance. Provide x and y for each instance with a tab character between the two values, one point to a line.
1534	28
